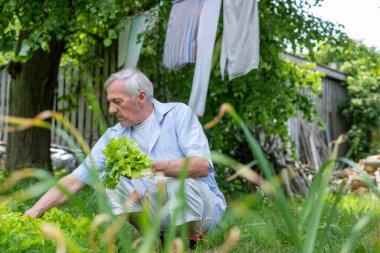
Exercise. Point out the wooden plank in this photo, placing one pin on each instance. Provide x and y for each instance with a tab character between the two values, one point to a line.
3	97
73	116
55	138
5	86
88	113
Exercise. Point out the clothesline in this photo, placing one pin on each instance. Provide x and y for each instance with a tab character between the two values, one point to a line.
190	38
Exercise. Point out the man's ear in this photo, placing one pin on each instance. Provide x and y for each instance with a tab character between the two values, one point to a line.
142	97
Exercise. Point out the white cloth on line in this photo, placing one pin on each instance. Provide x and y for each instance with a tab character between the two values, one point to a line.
123	41
130	39
241	41
208	26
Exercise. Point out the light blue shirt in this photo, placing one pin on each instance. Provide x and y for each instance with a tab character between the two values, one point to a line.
176	133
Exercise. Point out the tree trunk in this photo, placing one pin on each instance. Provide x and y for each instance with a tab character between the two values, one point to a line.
31	92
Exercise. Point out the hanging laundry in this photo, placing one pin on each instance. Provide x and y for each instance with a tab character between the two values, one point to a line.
181	35
130	44
208	26
123	42
241	42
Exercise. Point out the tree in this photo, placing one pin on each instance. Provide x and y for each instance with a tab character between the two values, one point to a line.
38	33
362	109
267	97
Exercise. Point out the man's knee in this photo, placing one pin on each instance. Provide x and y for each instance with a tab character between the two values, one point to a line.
173	187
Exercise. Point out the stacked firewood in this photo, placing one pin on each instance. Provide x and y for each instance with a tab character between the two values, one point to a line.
313	149
297	178
297	174
355	181
294	175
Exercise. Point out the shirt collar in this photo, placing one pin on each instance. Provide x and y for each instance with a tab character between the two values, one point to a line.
160	109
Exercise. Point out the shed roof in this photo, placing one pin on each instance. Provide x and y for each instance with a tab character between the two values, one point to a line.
330	72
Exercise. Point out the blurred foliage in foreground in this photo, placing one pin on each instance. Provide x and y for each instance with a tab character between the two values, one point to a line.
306	225
262	228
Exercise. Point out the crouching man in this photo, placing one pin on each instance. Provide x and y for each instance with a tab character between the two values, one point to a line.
169	133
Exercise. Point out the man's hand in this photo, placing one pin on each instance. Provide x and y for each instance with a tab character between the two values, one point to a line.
33	212
54	197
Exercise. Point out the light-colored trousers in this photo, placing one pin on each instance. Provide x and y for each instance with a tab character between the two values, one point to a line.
198	196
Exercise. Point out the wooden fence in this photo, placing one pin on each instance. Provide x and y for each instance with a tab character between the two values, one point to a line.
71	82
5	81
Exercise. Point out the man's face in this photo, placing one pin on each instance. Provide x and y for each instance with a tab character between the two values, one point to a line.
121	104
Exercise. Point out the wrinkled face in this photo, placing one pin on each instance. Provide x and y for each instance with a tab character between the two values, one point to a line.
126	110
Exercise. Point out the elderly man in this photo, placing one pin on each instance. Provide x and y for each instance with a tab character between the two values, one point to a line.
169	133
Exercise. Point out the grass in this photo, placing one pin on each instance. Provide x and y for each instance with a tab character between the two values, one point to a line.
264	221
263	229
262	226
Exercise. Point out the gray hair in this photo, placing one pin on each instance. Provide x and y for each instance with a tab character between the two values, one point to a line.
135	81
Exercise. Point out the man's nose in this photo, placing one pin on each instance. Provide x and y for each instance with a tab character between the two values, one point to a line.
112	109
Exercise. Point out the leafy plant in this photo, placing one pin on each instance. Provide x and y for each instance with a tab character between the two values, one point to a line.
105	230
302	225
362	109
305	232
123	159
23	234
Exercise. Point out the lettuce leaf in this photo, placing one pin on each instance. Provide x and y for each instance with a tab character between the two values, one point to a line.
123	159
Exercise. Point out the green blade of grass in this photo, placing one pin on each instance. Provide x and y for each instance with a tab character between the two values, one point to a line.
310	200
152	229
241	169
150	236
312	211
332	214
90	94
353	239
180	210
281	201
314	188
316	212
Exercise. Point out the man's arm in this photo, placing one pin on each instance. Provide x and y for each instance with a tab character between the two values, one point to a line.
54	197
197	167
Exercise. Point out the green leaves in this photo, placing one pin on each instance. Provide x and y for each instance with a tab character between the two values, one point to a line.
123	159
39	22
362	64
107	42
310	226
22	234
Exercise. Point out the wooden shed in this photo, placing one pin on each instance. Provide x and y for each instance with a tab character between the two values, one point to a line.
314	142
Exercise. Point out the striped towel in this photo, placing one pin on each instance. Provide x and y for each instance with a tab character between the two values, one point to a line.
181	35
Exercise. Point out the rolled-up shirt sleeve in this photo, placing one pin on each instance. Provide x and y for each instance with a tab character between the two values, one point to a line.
94	161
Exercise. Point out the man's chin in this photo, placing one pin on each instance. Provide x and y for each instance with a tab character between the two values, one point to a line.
124	124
